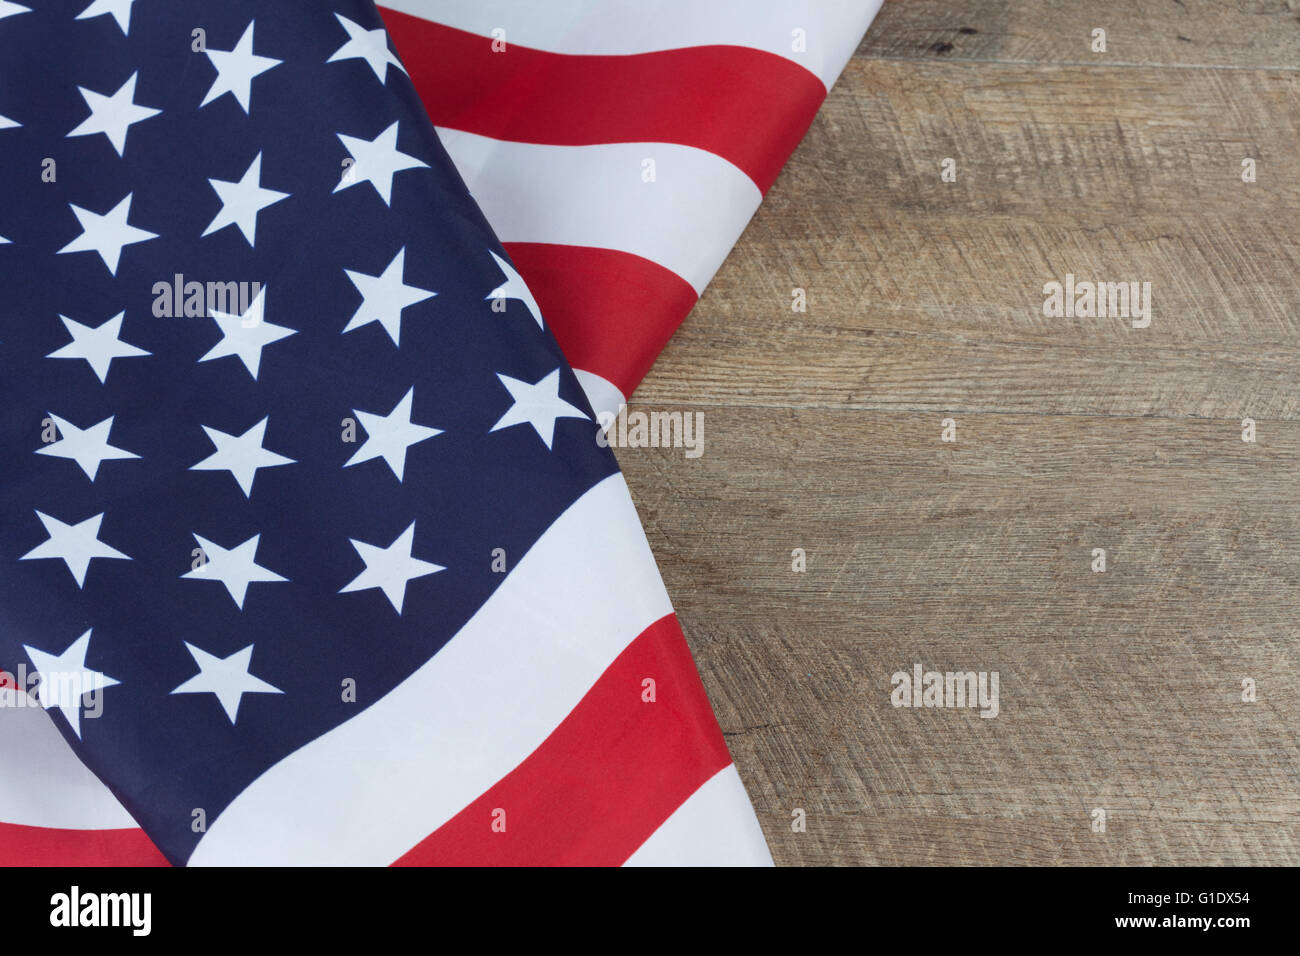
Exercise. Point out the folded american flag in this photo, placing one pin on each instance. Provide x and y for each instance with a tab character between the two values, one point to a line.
337	556
618	148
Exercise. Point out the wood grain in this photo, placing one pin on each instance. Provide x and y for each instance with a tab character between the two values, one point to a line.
1120	690
1175	33
925	294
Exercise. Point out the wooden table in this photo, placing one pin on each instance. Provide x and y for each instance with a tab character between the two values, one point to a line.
1121	690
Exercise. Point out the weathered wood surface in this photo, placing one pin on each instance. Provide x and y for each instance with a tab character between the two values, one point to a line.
1177	33
1119	690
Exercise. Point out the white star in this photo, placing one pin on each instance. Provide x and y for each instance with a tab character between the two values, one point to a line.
74	544
120	9
236	69
233	567
8	9
537	405
7	123
368	45
65	678
88	447
113	115
390	568
106	234
226	677
246	335
98	346
389	436
242	201
384	297
376	161
241	455
514	288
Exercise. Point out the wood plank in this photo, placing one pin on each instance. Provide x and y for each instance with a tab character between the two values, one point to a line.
1119	690
1231	33
924	294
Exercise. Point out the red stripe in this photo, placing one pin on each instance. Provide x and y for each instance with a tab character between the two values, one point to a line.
609	775
597	788
748	106
40	846
612	312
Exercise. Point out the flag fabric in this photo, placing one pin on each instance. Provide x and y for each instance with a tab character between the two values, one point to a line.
619	148
541	705
309	541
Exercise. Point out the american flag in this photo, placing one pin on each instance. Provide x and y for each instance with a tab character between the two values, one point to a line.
299	485
619	148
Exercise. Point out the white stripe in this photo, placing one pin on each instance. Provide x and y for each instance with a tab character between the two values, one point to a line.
831	28
601	392
686	220
374	787
42	783
715	827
